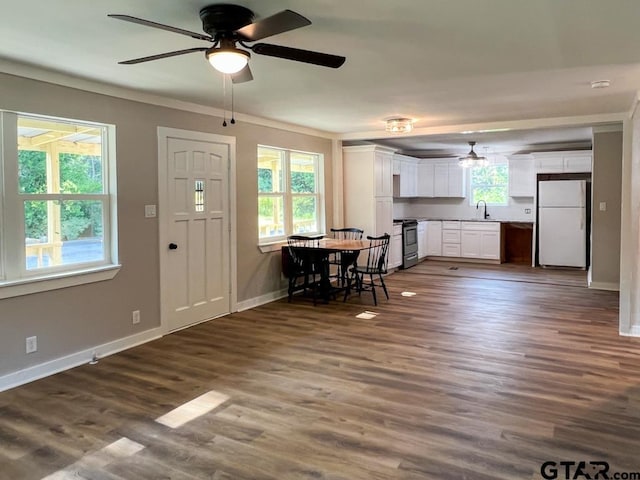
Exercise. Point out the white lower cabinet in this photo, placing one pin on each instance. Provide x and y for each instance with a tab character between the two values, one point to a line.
450	249
480	240
395	253
470	244
451	238
434	238
422	239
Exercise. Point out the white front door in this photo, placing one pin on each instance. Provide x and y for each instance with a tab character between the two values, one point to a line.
195	235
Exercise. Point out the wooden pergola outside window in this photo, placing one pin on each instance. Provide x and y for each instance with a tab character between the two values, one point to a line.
55	140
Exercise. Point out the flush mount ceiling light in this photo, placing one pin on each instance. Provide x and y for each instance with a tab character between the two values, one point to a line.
472	159
399	125
227	59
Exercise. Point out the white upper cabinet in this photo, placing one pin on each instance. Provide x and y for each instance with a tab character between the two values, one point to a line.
396	165
456	180
577	163
441	179
383	173
563	162
426	180
408	179
449	179
522	176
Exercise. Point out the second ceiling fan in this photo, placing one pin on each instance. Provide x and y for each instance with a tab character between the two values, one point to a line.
228	26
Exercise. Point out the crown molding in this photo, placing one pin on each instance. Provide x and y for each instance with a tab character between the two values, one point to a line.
34	72
479	128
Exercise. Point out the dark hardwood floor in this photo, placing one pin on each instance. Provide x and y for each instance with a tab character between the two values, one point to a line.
486	373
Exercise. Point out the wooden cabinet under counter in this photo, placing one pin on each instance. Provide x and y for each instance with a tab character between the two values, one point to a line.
517	239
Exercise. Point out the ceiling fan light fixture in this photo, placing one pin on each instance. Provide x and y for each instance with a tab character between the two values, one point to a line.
228	59
471	159
399	125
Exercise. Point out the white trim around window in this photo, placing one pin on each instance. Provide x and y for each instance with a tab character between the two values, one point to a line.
30	265
283	192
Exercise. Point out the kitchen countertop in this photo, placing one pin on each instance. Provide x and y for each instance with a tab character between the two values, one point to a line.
497	220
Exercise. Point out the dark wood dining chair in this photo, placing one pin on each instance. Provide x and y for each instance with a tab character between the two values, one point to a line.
304	266
365	277
344	260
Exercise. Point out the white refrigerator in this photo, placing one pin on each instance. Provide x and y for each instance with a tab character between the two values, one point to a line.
562	223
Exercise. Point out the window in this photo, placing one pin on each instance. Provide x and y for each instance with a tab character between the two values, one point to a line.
289	193
58	207
490	183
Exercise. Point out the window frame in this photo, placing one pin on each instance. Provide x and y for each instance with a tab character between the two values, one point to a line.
288	195
494	163
15	278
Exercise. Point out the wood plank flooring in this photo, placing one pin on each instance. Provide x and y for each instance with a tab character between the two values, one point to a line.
486	373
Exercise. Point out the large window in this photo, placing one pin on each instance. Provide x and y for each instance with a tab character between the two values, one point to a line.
56	215
289	193
490	183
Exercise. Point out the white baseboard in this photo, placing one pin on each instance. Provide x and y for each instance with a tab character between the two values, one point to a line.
612	286
51	367
634	332
261	300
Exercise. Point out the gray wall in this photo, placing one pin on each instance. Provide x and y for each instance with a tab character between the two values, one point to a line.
73	319
606	187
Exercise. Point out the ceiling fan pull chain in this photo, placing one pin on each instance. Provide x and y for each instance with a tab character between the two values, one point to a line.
233	120
224	100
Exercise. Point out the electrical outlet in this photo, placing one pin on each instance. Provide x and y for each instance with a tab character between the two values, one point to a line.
527	210
135	317
32	344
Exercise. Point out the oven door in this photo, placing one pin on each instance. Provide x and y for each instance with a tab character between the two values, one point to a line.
409	240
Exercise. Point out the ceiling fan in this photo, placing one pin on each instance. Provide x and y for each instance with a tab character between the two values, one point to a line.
226	26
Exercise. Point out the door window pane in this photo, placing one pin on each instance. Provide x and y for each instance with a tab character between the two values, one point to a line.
199	191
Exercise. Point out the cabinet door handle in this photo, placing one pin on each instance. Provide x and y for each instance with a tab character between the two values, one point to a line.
173	246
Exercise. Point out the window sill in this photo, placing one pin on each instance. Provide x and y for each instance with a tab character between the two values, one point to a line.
27	286
272	247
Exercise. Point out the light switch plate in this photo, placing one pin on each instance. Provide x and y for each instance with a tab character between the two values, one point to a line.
149	211
603	206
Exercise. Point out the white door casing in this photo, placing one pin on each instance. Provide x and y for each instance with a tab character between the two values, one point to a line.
198	275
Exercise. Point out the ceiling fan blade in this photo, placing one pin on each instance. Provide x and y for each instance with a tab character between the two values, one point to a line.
163	55
149	23
280	22
242	76
298	55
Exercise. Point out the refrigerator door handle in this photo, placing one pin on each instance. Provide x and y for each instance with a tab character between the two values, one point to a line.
582	219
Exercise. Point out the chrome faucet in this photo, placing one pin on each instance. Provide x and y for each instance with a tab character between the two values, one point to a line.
486	215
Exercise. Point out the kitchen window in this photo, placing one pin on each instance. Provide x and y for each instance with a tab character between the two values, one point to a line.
58	208
490	183
290	191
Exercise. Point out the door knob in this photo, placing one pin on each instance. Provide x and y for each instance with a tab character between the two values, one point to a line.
173	246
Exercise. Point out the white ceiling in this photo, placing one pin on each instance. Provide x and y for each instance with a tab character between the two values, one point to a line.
440	62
